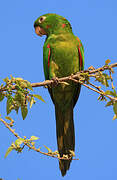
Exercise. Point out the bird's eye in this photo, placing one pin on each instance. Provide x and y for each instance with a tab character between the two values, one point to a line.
42	19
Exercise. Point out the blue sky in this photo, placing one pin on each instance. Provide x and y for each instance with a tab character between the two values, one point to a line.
94	21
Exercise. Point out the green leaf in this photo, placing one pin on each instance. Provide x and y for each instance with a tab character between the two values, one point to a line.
24	111
1	96
32	101
115	108
65	83
19	141
109	103
16	109
108	92
38	97
103	78
49	150
34	138
9	104
29	85
72	153
102	98
113	87
9	150
107	61
18	97
115	93
56	152
9	118
114	117
23	83
112	93
6	80
33	143
19	79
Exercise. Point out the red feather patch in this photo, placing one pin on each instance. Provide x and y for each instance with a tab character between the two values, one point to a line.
48	26
80	57
79	53
48	46
63	25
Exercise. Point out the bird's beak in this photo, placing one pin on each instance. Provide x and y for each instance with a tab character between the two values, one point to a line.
39	31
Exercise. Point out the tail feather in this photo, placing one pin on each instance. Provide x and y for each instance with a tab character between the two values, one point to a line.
65	135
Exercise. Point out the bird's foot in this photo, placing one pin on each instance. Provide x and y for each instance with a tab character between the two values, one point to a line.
55	81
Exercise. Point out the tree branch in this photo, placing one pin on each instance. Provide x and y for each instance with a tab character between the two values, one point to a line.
22	95
77	75
54	155
90	72
76	78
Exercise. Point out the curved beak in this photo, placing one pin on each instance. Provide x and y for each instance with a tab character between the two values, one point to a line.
39	31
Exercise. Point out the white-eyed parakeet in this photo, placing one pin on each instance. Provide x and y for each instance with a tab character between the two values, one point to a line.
63	55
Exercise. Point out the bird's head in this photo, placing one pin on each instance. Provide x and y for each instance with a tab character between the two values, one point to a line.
51	24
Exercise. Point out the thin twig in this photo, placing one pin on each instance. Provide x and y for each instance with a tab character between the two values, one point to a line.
99	91
32	147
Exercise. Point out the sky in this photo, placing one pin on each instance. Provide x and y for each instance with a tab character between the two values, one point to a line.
21	54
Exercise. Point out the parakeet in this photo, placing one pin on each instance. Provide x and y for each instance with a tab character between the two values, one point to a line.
63	55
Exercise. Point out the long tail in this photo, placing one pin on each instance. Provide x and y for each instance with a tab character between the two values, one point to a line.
65	135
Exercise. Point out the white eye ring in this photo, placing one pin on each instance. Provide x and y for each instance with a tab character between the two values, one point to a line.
42	18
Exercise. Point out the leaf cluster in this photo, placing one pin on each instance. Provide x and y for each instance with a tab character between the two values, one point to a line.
18	93
105	79
20	143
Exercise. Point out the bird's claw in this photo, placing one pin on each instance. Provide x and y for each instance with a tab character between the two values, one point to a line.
55	81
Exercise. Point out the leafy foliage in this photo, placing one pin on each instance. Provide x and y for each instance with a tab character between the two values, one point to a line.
105	79
18	93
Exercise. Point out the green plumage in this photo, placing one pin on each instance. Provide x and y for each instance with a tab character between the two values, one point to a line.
63	55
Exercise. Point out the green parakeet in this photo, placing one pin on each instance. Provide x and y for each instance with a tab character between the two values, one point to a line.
63	55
